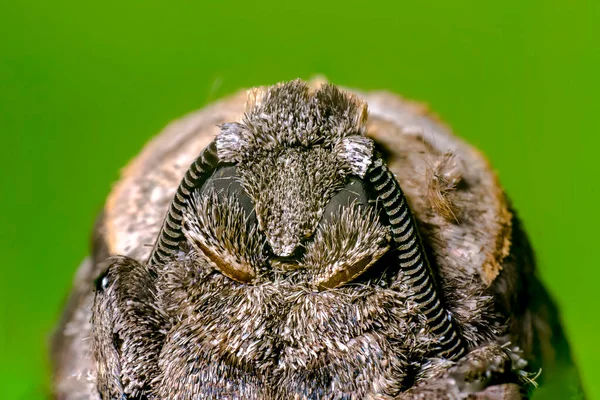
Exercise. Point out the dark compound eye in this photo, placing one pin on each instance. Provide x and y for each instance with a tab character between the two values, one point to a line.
353	193
102	282
225	182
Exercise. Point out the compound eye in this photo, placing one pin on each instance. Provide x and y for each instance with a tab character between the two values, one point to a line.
221	224
348	240
352	194
225	183
102	282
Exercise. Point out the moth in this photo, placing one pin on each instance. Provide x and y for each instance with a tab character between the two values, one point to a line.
303	241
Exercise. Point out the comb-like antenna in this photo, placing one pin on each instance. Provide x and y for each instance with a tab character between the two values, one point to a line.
413	261
170	235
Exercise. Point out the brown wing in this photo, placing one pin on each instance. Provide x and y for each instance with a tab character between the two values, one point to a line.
461	208
129	224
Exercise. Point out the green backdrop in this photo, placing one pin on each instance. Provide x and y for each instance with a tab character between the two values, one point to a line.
83	84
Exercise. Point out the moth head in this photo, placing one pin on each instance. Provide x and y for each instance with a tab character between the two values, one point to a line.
289	185
294	149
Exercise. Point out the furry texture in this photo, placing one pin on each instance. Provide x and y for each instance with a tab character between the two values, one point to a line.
294	148
195	329
444	176
218	231
270	297
125	337
290	189
345	246
276	339
291	115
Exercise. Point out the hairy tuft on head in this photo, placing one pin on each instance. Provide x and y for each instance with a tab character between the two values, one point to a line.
292	114
443	177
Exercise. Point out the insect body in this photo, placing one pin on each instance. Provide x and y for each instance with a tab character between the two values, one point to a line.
273	128
290	265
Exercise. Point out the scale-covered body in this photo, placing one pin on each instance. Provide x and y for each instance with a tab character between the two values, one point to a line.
479	258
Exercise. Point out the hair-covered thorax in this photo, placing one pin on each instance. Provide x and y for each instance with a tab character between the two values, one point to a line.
286	216
294	150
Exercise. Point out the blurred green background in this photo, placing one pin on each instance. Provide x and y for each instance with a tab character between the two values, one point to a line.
83	85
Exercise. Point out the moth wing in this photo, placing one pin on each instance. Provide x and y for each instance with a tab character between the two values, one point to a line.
129	225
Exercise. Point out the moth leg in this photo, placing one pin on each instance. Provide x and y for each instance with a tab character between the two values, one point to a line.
483	373
127	330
